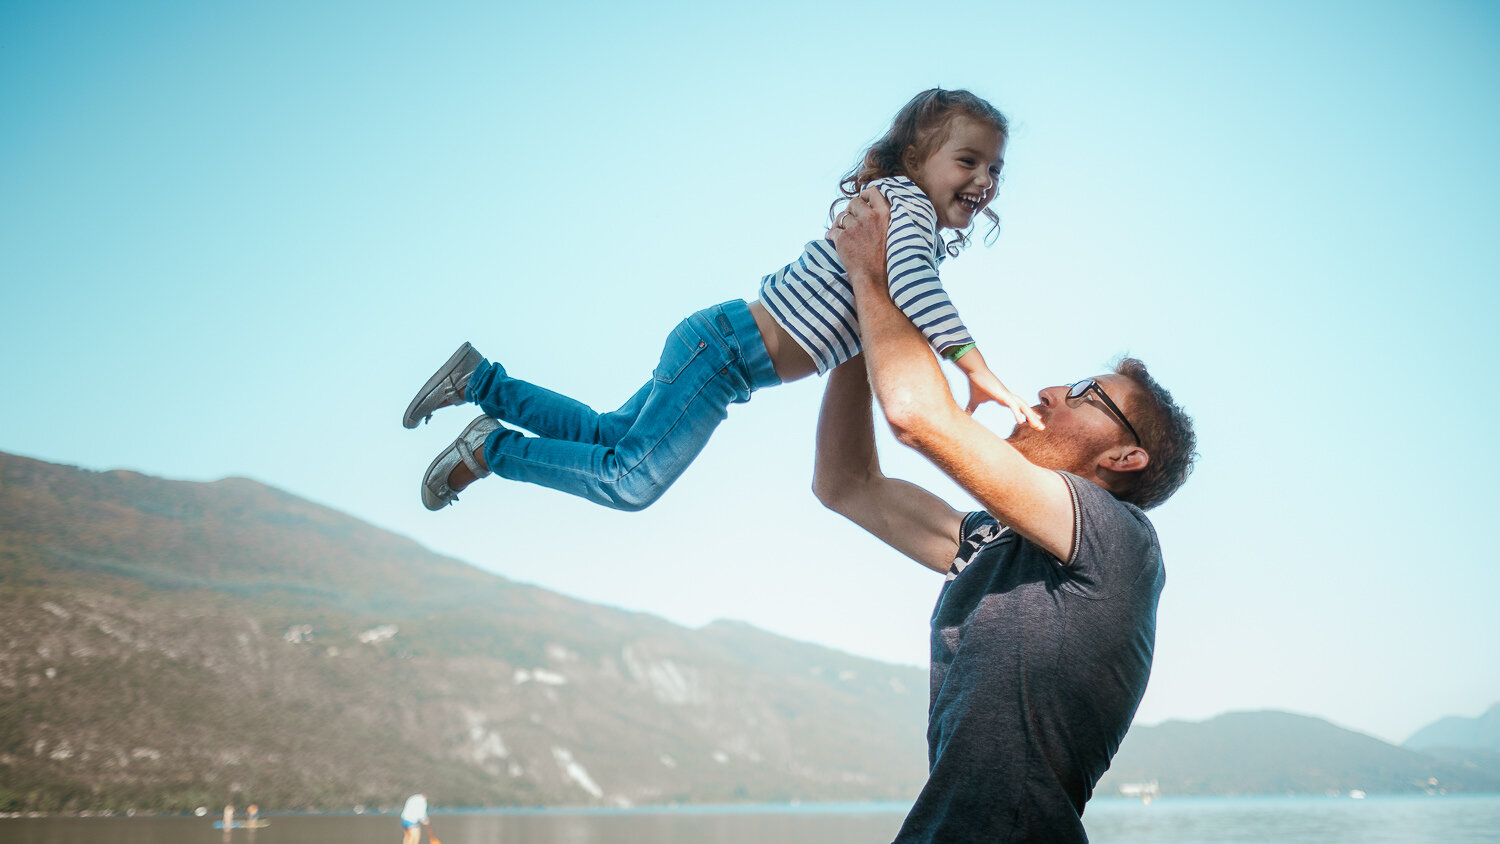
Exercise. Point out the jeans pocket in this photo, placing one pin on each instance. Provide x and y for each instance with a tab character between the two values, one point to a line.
682	348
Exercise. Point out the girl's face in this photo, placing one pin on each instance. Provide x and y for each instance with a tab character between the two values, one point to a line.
960	176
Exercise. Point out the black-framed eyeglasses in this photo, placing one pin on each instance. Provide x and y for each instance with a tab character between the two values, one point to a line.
1079	389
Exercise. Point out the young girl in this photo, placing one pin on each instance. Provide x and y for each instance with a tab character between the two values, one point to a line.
939	165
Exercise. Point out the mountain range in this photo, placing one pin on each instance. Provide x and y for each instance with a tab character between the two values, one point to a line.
166	645
1281	753
1482	733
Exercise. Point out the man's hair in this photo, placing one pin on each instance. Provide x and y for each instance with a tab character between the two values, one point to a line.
1166	433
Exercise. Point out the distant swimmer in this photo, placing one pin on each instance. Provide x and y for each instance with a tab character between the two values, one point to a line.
414	819
252	820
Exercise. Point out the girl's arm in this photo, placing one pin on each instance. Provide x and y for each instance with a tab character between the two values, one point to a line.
912	245
985	386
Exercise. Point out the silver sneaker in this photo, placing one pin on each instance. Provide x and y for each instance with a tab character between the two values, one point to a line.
445	388
436	494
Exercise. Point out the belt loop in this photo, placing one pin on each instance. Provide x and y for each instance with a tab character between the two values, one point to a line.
726	330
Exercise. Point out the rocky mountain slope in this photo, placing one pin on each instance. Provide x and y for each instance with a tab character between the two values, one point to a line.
166	645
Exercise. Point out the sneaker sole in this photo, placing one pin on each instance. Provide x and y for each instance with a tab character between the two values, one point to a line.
410	419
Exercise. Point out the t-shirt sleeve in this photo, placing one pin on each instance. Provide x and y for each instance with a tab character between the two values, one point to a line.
1114	543
911	264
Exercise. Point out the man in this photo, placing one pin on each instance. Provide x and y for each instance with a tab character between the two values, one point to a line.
1043	632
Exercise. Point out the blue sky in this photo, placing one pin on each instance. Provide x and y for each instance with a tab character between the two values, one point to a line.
234	238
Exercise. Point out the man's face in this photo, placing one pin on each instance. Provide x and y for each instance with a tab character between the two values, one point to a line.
1078	430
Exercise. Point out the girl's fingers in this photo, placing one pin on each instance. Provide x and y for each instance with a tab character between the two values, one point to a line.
1025	414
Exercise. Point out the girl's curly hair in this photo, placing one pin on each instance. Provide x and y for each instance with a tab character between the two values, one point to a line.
920	127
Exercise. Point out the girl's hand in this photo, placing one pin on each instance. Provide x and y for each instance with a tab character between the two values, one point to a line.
984	386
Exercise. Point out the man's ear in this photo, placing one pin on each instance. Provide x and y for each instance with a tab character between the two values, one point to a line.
1124	458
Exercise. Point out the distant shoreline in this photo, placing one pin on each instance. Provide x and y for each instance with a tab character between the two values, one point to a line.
804	808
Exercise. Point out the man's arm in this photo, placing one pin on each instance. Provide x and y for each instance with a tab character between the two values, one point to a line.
848	480
1033	501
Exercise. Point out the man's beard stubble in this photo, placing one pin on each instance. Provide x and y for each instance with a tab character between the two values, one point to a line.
1050	451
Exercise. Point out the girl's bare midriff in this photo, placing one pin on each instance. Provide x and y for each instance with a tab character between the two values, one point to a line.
790	360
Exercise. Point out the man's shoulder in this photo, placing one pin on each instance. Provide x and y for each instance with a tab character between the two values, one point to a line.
1103	524
1089	501
1089	494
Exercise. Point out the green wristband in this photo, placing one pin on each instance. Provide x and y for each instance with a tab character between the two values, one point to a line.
953	353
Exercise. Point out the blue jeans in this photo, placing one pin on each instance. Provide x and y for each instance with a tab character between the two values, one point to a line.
627	458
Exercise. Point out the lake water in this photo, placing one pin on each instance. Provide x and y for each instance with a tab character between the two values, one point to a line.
1183	820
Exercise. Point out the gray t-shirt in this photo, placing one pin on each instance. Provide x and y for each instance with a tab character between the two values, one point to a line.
1037	669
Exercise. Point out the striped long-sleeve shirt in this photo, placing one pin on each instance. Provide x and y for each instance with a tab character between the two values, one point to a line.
812	299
